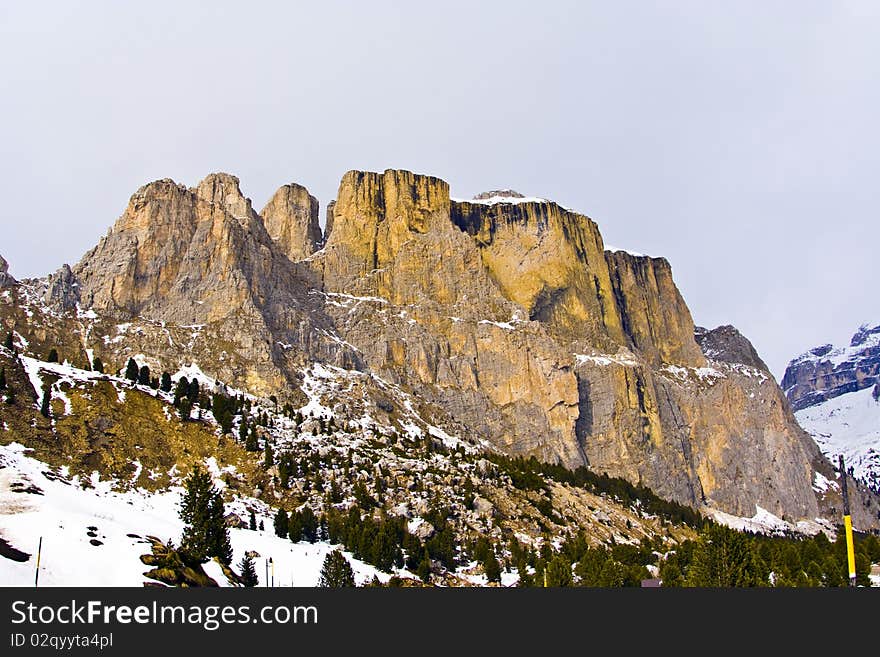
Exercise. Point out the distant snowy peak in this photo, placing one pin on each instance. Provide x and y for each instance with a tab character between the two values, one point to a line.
498	193
504	196
867	336
834	392
828	371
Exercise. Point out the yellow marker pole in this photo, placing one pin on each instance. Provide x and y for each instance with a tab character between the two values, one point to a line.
847	526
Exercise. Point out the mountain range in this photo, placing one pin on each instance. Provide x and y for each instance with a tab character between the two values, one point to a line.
499	326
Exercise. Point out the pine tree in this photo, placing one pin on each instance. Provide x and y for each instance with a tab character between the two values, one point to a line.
53	356
262	526
205	534
221	406
723	557
8	342
248	572
424	570
268	458
242	429
251	443
309	524
492	568
132	370
295	528
336	572
558	572
45	407
282	521
180	389
3	378
165	382
143	377
185	409
252	525
193	391
670	572
98	365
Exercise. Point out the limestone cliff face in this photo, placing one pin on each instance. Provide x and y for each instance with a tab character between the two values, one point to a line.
291	219
552	262
203	257
507	318
548	261
409	291
654	316
391	237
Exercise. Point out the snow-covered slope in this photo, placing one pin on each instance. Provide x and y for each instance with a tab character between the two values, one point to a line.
850	425
833	391
94	536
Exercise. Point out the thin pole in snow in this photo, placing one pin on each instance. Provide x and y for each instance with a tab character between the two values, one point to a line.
39	553
847	526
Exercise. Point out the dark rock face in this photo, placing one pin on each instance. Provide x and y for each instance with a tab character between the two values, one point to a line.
5	279
727	344
328	226
825	372
63	289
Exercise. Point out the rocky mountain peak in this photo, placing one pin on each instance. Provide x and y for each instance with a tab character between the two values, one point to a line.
825	372
865	334
727	344
222	190
291	219
498	193
63	289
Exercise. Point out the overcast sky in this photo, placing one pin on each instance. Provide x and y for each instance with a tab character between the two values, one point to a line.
739	140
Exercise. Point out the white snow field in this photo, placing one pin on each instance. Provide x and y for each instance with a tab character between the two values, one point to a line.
848	425
36	503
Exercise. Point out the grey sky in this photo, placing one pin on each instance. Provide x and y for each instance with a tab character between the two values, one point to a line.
738	139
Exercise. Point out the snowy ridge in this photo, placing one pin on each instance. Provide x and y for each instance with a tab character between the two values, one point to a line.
765	522
615	249
493	200
867	337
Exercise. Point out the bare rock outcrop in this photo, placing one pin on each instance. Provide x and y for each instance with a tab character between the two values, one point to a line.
726	343
63	289
291	219
6	279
